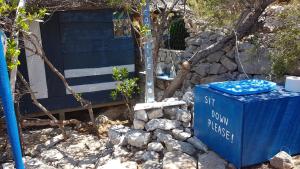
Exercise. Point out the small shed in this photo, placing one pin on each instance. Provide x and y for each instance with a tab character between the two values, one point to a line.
84	42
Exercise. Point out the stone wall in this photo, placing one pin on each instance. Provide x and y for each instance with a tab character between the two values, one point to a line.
167	58
251	60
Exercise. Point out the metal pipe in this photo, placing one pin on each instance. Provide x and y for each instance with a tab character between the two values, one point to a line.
8	105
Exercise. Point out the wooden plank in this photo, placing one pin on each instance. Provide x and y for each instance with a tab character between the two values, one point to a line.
62	116
69	110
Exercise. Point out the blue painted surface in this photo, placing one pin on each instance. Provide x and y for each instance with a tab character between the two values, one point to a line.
77	40
256	126
9	112
244	87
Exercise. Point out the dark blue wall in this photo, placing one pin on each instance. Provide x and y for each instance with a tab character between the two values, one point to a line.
76	40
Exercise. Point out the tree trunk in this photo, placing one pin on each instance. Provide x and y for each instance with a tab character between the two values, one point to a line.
246	24
39	105
13	72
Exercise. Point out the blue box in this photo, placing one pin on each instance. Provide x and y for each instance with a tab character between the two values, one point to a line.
247	130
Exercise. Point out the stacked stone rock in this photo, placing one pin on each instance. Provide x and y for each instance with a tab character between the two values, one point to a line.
226	64
159	134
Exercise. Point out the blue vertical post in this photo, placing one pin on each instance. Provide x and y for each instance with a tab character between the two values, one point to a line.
8	105
149	94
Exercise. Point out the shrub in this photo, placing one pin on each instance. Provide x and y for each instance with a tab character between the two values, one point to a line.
126	87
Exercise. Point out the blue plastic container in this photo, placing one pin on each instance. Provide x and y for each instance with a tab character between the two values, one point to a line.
250	129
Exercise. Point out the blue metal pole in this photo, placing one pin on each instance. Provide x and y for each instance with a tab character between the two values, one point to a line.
8	105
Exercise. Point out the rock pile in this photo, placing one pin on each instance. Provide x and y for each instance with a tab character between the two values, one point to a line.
161	135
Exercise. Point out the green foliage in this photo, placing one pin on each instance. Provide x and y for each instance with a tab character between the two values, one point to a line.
12	51
217	12
19	24
178	33
286	54
126	86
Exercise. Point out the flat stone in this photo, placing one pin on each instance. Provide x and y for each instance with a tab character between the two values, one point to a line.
155	113
164	124
180	134
155	146
282	160
138	124
228	63
117	134
52	155
150	164
174	145
53	141
198	144
183	115
141	115
138	138
211	160
178	160
145	106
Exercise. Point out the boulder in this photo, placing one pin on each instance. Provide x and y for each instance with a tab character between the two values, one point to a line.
198	144
188	97
175	145
202	69
138	138
161	137
180	134
141	115
117	134
282	160
138	124
211	160
228	63
155	113
254	62
214	68
155	146
178	160
183	115
164	124
170	113
215	57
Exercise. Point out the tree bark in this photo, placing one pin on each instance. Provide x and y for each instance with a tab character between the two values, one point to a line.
40	52
39	105
15	32
246	24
